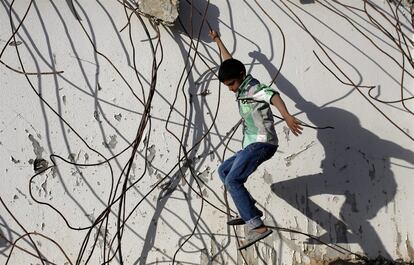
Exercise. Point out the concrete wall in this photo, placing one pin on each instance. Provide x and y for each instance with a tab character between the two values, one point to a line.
350	185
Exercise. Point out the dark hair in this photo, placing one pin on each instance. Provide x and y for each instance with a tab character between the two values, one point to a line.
231	69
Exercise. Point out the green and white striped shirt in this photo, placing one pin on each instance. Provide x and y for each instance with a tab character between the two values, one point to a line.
254	107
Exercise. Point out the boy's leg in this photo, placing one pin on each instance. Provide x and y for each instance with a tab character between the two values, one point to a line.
225	167
245	163
223	170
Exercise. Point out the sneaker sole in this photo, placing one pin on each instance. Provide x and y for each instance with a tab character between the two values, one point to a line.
236	221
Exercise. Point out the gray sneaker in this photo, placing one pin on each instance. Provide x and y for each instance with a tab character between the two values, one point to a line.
253	236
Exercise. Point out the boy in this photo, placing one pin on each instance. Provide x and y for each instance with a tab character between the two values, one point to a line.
259	139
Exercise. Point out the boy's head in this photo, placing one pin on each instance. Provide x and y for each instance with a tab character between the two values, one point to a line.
231	73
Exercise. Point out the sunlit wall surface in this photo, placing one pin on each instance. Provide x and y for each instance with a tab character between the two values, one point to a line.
113	125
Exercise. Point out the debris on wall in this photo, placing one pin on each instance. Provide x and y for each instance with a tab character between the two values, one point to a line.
165	11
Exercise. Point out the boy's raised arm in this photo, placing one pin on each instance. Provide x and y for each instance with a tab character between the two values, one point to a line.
223	50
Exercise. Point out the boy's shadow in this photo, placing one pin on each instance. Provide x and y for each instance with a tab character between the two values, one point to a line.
356	166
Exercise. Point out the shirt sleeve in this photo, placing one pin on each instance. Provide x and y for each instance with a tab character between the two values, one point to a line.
264	93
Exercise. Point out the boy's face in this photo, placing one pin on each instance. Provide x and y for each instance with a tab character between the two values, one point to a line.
233	84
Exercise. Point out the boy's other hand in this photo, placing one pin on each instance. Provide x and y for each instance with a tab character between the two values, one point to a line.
294	125
213	35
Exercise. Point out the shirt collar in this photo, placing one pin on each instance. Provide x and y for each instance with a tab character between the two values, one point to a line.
243	85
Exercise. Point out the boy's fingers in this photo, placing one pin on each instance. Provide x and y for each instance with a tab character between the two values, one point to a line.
296	128
298	124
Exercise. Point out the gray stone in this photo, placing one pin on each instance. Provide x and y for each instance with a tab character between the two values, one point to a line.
164	10
40	164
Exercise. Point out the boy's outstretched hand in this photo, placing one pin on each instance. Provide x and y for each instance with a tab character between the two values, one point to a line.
294	125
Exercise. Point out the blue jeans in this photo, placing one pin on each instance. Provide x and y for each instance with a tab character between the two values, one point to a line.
234	173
